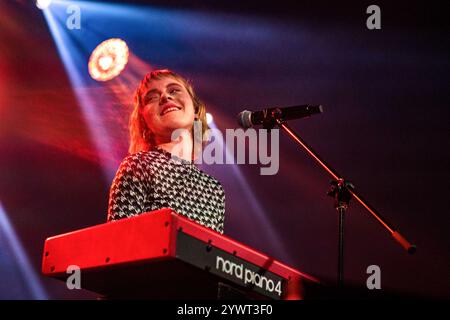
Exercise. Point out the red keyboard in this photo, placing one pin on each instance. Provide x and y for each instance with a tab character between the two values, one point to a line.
162	255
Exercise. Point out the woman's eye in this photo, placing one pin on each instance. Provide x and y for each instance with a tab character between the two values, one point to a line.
172	91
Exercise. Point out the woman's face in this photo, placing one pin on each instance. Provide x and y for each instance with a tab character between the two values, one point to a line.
167	106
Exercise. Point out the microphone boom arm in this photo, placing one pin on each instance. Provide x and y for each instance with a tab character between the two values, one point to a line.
410	248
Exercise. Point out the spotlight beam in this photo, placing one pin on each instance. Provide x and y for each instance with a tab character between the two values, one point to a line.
89	108
29	276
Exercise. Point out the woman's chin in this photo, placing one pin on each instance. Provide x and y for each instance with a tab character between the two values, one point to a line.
175	126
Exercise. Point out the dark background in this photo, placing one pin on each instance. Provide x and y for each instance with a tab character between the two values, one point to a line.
385	128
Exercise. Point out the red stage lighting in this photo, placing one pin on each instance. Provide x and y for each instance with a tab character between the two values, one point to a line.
108	60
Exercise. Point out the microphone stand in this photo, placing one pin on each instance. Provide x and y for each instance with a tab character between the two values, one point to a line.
341	190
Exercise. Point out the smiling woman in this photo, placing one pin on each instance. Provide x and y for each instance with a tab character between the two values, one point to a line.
158	90
160	172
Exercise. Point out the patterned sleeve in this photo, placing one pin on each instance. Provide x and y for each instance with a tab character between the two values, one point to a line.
128	190
221	218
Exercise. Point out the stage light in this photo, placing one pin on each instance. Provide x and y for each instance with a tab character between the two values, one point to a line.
108	60
209	118
105	63
43	4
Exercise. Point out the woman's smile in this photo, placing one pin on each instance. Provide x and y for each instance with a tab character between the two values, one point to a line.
169	108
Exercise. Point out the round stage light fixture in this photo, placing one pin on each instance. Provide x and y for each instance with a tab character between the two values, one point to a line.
108	59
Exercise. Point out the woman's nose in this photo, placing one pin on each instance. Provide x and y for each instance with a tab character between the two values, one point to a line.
165	96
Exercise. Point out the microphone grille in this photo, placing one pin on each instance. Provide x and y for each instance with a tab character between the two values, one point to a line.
244	119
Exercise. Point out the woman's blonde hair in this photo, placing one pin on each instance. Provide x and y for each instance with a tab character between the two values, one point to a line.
141	138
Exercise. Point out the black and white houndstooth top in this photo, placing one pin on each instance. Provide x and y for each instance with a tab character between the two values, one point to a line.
152	180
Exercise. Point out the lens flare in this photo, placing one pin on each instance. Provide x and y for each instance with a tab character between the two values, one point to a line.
209	118
43	4
108	60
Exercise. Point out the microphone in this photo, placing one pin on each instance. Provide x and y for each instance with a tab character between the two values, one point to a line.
247	119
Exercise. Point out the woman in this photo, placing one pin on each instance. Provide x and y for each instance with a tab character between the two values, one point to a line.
159	172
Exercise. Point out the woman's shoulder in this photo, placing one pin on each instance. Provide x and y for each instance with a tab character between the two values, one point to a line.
139	163
212	181
140	158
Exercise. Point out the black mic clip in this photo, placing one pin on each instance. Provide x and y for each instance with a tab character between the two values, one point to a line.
271	117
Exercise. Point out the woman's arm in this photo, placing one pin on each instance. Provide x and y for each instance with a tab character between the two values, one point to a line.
128	190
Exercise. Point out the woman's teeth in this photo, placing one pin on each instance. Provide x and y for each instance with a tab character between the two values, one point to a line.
169	110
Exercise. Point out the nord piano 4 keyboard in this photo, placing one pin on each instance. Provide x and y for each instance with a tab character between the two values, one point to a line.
162	255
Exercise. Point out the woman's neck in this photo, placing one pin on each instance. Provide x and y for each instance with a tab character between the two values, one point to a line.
181	147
